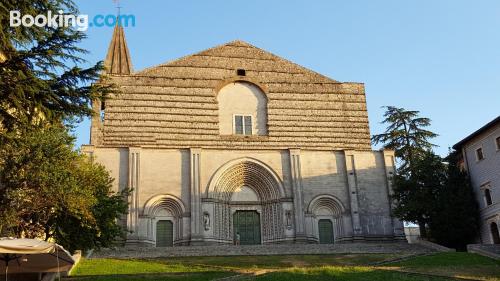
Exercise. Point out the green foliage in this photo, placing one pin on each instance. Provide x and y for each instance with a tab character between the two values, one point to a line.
427	191
50	191
40	75
439	196
405	134
419	171
416	194
455	218
47	189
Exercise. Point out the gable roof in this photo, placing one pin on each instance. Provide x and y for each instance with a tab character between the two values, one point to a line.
484	128
236	50
174	104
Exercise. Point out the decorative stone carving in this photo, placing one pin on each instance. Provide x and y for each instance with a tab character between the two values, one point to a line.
268	189
206	221
288	216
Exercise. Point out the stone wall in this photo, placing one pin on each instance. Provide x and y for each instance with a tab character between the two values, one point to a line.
485	174
174	105
358	207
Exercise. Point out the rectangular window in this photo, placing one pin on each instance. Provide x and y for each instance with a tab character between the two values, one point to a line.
479	154
243	124
238	124
498	143
248	125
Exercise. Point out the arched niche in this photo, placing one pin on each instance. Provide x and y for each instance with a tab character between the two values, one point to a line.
242	98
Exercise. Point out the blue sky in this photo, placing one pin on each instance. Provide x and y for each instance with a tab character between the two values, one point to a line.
439	57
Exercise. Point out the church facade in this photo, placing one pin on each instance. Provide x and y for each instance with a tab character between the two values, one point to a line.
237	145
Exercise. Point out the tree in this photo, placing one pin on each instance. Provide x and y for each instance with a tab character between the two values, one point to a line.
455	217
47	190
405	134
416	194
40	71
428	190
50	191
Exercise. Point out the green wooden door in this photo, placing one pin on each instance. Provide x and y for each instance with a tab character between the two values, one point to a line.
325	228
247	224
164	233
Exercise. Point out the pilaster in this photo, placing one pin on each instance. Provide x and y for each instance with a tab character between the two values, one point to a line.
353	194
298	197
397	225
196	211
134	186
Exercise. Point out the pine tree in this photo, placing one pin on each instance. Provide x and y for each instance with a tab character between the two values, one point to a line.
41	77
454	221
48	190
405	134
417	193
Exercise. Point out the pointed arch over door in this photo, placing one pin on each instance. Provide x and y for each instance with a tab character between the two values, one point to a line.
247	173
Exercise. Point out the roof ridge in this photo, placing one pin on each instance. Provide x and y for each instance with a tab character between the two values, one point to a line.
186	56
239	42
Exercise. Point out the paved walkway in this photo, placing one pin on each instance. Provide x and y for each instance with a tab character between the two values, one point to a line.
253	250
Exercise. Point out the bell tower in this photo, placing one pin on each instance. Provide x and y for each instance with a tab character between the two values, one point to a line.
117	62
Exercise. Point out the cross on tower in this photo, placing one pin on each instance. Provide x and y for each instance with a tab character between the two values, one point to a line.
118	7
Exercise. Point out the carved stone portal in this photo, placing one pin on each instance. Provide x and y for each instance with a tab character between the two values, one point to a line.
268	189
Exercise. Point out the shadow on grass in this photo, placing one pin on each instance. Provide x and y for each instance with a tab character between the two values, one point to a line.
195	276
280	261
344	274
460	265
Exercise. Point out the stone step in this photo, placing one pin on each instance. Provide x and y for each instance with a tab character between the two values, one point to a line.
487	250
251	250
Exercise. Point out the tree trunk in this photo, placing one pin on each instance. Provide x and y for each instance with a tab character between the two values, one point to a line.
423	230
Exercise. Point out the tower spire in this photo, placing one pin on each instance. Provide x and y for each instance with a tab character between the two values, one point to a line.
118	57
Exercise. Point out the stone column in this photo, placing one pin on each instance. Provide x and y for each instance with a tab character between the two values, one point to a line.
397	225
133	184
298	197
353	195
196	216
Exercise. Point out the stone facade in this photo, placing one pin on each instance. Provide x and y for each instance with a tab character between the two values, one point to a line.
303	153
481	158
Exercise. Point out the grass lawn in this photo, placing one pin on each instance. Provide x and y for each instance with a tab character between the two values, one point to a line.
463	265
292	267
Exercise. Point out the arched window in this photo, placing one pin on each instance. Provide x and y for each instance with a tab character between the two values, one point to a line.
487	196
242	109
495	236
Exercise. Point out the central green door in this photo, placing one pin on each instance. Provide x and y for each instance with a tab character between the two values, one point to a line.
325	228
164	233
247	224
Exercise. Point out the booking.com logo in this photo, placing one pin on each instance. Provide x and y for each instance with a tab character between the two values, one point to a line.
80	22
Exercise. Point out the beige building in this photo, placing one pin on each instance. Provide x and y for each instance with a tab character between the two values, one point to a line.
481	157
235	144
